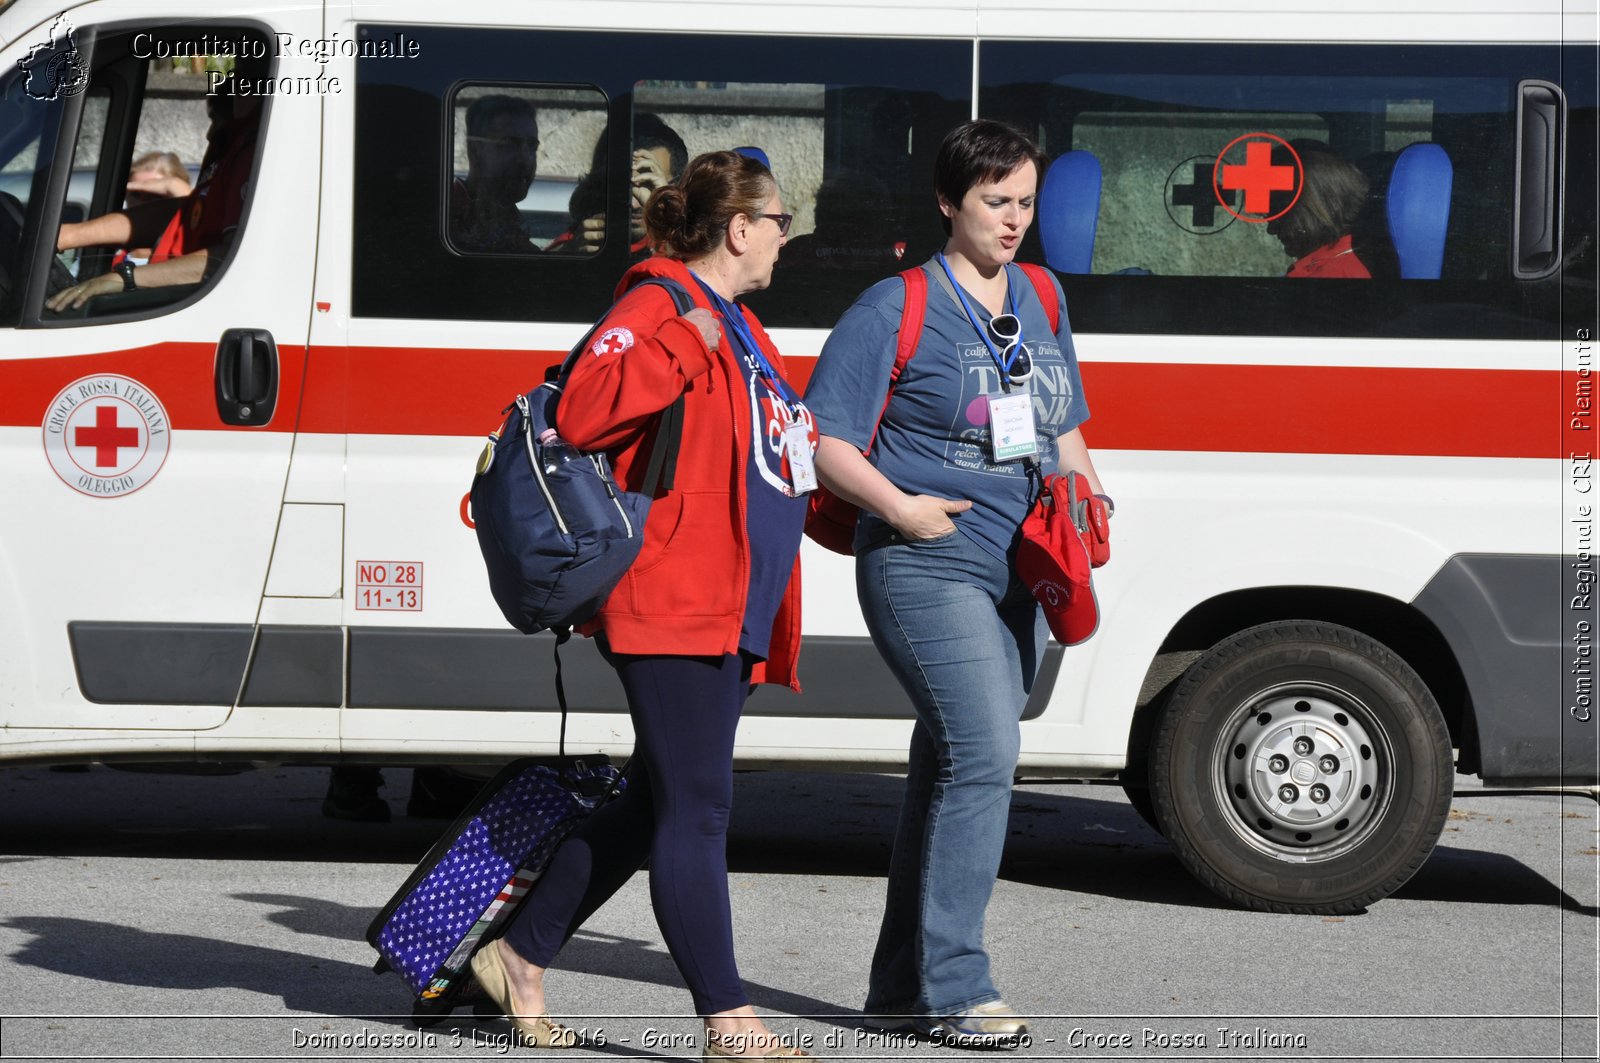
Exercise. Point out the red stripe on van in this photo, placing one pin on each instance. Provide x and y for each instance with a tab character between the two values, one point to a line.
1136	405
180	375
1502	413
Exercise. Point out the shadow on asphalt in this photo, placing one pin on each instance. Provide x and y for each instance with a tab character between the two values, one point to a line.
1078	838
1472	876
109	953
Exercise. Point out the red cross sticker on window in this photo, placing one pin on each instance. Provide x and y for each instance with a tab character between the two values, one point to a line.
105	436
1247	165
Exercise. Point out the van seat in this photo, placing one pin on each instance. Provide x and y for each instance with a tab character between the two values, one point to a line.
1419	209
1069	211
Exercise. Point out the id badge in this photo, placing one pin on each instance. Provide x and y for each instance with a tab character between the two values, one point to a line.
1011	431
802	471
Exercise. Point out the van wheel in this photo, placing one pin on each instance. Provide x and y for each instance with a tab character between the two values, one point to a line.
1301	767
1136	786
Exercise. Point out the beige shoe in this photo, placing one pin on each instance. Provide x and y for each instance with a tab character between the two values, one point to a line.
538	1031
992	1025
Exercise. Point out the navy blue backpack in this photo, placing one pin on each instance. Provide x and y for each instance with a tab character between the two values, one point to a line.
557	535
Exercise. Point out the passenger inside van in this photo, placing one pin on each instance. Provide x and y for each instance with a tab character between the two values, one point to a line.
189	236
153	176
859	222
1317	230
659	155
502	160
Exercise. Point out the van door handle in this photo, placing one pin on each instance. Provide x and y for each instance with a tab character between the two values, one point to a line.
247	377
1541	179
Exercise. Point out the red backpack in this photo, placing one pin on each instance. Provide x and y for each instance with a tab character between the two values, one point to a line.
832	520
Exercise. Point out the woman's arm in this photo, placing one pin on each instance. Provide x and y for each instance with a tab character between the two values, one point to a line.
139	226
848	474
186	269
1072	455
640	360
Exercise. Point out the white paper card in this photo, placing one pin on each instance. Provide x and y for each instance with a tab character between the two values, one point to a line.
1011	431
802	471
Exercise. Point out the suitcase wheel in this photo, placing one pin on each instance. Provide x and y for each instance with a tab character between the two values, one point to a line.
425	1013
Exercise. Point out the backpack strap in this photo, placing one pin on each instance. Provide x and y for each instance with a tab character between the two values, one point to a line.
909	335
661	471
1047	292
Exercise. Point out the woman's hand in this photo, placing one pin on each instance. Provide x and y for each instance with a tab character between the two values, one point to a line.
75	296
919	517
706	322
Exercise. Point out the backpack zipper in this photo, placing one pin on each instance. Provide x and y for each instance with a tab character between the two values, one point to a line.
537	465
604	470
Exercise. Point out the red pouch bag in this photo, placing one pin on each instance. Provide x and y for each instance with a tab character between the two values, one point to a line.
1064	537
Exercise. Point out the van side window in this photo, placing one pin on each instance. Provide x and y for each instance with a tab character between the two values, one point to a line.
25	121
849	126
160	177
1222	189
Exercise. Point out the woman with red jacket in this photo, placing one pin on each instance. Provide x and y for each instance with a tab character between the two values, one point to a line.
711	605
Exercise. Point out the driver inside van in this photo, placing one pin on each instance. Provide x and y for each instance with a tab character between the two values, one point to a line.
189	236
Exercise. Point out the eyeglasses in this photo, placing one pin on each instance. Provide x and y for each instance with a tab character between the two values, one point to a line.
527	145
1015	358
783	221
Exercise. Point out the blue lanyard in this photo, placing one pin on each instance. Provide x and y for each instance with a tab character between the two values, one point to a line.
983	333
733	319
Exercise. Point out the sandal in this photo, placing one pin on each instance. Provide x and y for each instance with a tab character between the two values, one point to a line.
538	1031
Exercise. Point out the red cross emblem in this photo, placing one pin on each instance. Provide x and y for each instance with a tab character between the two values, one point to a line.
612	341
105	436
1258	176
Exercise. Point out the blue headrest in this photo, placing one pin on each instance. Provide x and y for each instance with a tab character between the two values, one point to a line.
1419	209
1069	211
754	153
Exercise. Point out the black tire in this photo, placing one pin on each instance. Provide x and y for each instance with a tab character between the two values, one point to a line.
1138	793
1301	767
1139	797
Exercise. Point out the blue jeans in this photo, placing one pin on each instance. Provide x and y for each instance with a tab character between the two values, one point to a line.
964	637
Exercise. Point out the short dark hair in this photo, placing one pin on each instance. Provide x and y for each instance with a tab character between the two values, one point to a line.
978	151
1332	193
482	112
650	132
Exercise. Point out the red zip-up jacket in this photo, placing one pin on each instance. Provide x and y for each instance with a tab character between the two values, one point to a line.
685	594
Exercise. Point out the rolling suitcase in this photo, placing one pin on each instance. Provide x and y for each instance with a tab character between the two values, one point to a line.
472	879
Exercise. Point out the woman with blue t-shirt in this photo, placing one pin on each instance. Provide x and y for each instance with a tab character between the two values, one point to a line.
990	399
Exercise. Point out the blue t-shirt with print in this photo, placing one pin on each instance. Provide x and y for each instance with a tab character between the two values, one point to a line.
774	514
934	438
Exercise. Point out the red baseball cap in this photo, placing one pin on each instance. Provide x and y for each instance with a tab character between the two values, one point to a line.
1054	561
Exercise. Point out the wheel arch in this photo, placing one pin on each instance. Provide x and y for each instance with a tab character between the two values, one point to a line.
1396	624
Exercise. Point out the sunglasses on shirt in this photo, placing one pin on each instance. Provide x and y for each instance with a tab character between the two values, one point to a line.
1015	357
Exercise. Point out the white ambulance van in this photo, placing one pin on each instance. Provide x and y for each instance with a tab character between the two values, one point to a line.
1353	547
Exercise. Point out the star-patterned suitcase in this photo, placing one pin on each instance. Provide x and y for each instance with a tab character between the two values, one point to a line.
476	874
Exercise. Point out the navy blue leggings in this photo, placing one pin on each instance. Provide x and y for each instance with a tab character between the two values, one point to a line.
675	812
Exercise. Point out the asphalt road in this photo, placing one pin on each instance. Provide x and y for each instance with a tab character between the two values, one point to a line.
156	916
